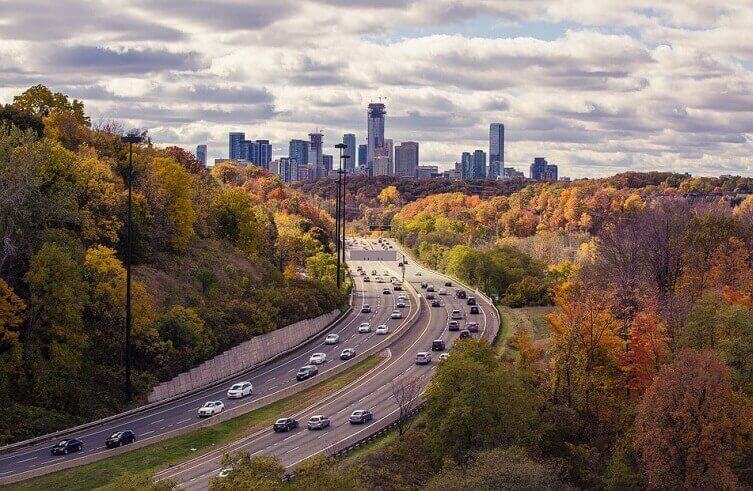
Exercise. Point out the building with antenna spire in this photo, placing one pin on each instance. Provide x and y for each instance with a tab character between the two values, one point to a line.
375	117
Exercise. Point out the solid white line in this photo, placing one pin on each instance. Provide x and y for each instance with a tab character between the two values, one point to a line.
27	460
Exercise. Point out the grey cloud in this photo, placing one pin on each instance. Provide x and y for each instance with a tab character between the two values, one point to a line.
227	14
101	60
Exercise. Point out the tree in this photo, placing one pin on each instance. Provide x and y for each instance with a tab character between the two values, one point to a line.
21	119
11	316
175	192
42	101
649	349
405	392
389	196
206	277
323	267
190	336
249	473
690	424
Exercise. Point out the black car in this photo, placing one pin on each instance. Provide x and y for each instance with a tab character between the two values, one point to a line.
448	283
437	345
285	424
436	303
453	326
306	372
472	326
460	294
424	286
120	438
465	333
397	288
347	354
471	301
67	446
474	309
430	296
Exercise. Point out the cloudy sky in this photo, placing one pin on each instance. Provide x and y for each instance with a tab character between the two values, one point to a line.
597	87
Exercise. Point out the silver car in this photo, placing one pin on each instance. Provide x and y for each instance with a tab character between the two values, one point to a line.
318	422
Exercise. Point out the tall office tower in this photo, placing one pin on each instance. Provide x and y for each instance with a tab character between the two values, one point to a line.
375	126
249	151
299	151
284	168
550	174
201	154
264	153
234	144
381	165
389	151
496	150
479	164
327	162
538	169
467	161
315	155
362	155
406	159
350	150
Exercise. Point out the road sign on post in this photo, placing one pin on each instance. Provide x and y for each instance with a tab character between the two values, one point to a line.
380	228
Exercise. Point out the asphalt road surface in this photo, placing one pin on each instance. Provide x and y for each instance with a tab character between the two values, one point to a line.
371	391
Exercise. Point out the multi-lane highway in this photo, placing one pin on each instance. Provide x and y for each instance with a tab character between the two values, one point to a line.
414	332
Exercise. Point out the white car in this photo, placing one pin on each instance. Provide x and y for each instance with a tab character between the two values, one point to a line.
379	279
444	356
400	304
332	339
396	314
317	359
364	328
418	273
240	390
382	329
456	315
442	291
211	408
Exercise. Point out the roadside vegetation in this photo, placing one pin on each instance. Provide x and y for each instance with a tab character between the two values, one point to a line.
133	470
219	257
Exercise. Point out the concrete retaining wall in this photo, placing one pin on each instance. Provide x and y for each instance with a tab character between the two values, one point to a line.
244	356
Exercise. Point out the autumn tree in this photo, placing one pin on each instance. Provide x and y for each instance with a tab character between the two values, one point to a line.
689	425
42	101
174	192
650	349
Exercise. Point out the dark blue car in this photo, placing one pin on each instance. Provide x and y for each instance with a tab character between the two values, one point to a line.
67	446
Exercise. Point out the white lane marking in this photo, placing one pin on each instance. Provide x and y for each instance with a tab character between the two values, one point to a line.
158	421
27	460
147	433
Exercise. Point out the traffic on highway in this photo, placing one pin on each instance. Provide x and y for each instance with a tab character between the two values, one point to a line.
416	319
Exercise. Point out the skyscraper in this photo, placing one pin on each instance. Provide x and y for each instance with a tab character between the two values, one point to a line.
389	151
350	150
249	151
362	155
201	154
479	165
466	160
381	165
496	150
327	162
538	169
298	150
406	159
263	154
315	155
234	144
375	127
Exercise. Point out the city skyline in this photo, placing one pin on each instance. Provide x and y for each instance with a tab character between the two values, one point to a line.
626	86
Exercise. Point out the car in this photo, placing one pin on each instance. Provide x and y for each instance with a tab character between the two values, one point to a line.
386	272
386	291
211	408
239	390
474	309
436	303
400	304
363	273
65	447
347	354
318	359
456	315
364	328
423	358
459	293
318	422
373	272
396	314
448	283
424	286
465	333
285	424
397	287
366	309
472	326
453	326
366	279
430	296
437	345
443	357
418	273
360	416
442	291
382	329
471	301
120	438
306	372
332	339
379	279
430	288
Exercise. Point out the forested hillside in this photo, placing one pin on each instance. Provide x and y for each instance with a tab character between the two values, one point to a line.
218	258
646	379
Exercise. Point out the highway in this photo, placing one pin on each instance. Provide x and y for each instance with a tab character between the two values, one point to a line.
371	391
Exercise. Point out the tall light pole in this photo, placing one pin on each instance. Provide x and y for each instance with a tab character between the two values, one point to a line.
344	174
130	140
338	244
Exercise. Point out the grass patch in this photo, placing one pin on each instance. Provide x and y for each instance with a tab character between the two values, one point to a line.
176	450
532	319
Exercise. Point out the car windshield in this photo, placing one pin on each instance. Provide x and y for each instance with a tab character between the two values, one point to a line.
282	421
115	435
209	404
236	387
63	443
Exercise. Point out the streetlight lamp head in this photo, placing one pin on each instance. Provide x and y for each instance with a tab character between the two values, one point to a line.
132	139
341	145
